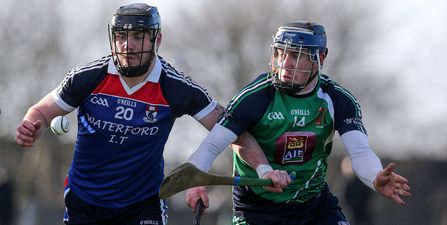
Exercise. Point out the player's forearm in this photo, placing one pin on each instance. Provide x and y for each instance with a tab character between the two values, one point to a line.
365	163
366	168
215	143
34	114
45	110
211	119
249	150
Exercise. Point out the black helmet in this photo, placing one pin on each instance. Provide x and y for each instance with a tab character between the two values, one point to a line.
135	17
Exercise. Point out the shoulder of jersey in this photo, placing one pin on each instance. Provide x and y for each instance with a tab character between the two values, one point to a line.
262	83
173	74
91	66
327	83
326	80
330	86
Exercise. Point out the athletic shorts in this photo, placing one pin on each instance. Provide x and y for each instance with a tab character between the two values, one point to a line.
251	209
151	211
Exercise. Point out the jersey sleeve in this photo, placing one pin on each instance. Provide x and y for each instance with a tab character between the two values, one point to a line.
248	106
184	95
79	83
348	115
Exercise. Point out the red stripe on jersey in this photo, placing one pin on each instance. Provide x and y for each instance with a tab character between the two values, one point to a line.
149	93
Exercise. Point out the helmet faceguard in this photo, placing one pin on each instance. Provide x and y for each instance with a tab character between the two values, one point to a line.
300	43
140	19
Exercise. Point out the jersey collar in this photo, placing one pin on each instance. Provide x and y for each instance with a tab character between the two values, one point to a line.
153	76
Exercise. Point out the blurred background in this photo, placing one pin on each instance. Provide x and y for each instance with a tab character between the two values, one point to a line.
389	54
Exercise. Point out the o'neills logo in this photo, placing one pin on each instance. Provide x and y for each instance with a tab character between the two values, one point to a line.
151	113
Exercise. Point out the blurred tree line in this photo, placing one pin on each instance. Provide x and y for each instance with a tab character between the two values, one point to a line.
222	45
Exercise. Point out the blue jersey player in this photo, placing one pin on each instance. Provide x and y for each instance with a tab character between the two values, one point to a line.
293	112
127	104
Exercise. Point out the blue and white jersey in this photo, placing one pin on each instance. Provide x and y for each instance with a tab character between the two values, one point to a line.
122	131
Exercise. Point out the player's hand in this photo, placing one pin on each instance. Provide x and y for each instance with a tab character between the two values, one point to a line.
28	132
280	180
392	185
193	194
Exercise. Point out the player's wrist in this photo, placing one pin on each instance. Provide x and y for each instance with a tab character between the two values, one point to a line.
375	184
263	169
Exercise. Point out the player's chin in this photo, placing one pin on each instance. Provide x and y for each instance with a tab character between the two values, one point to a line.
130	63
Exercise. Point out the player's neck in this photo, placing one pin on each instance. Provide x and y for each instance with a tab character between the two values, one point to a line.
309	87
133	81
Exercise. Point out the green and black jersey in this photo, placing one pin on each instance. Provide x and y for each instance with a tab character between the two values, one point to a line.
295	132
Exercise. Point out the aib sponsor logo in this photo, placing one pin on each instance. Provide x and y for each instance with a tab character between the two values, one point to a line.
295	148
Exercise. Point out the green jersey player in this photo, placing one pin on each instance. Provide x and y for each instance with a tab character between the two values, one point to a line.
293	112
